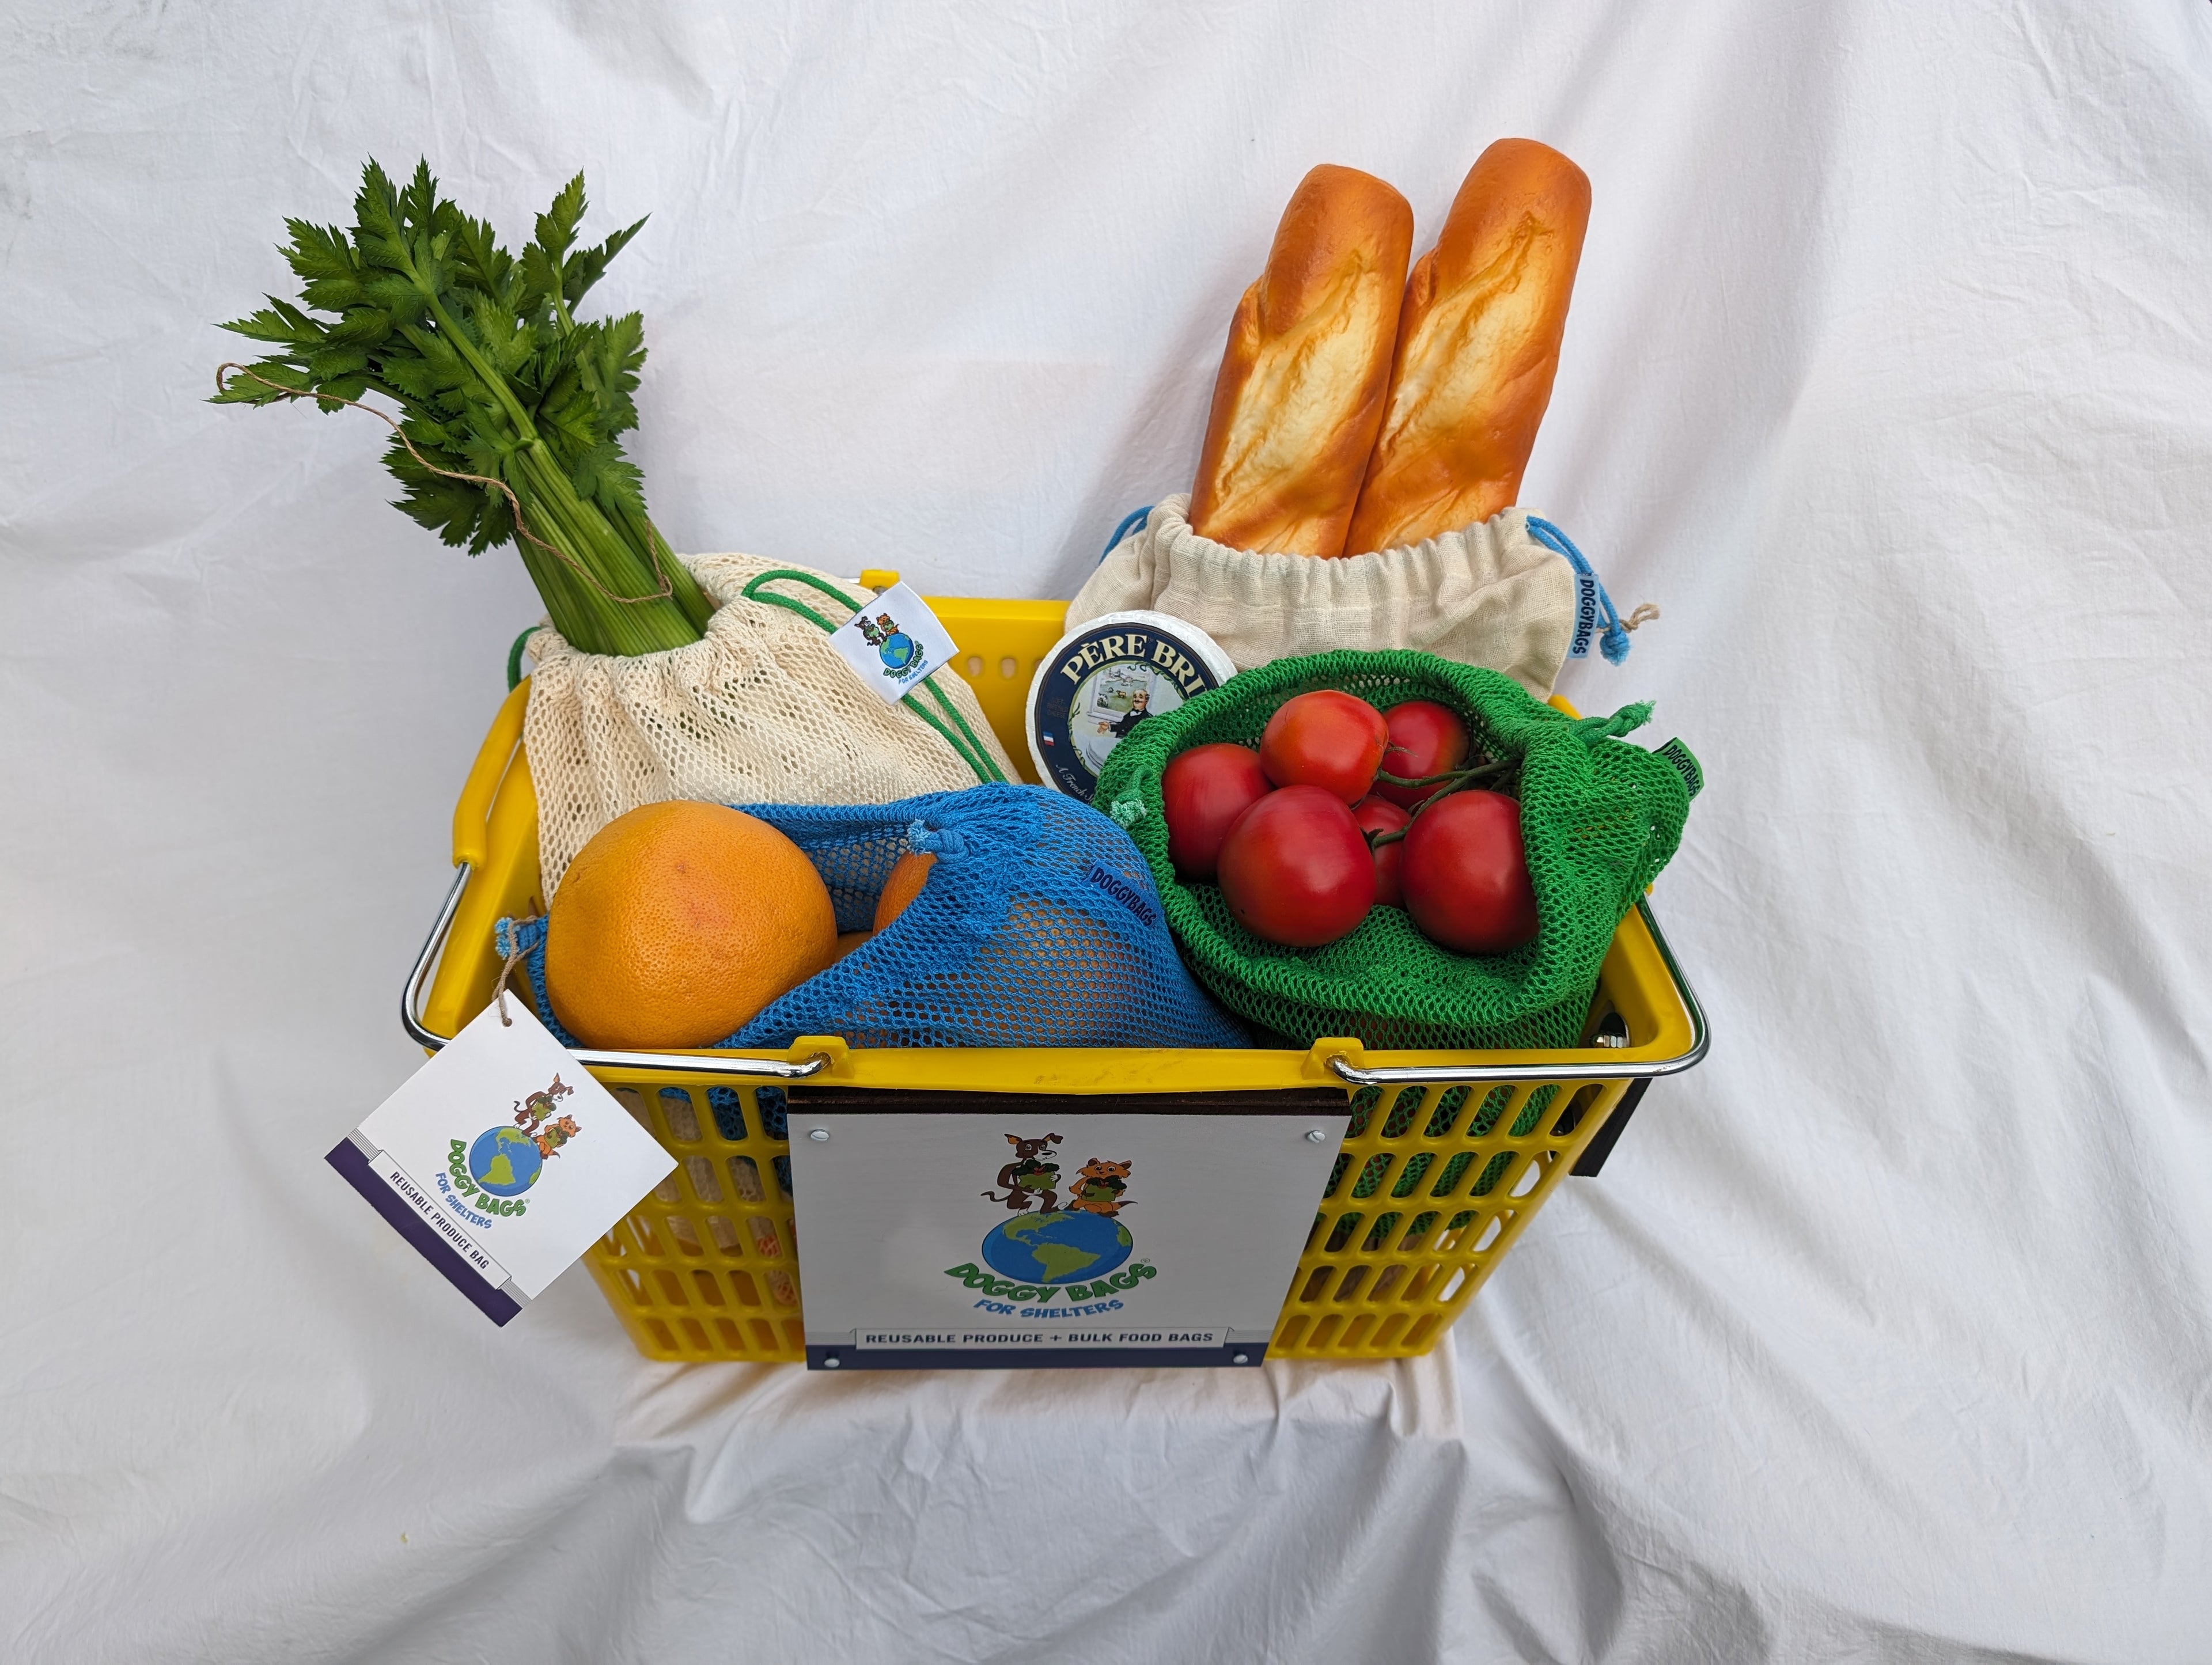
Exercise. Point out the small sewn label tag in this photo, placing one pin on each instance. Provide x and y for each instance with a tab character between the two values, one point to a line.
894	642
1692	773
501	1160
1585	612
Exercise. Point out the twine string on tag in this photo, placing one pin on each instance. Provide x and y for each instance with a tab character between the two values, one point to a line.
514	956
513	503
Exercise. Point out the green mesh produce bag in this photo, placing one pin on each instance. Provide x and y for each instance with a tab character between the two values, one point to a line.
1599	816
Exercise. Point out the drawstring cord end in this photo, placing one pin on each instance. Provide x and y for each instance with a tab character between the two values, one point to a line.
1593	607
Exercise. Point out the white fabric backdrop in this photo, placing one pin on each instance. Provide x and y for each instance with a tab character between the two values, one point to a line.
1885	1334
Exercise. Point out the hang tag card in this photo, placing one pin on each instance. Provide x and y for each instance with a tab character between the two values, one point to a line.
501	1160
1045	1233
894	642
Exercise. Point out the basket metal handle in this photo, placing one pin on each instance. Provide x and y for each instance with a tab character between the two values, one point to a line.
410	1017
411	1002
1598	1070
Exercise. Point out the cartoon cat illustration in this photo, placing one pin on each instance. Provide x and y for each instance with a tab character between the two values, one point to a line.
555	1134
1097	1188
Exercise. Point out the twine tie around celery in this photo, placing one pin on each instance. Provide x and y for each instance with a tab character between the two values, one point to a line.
513	503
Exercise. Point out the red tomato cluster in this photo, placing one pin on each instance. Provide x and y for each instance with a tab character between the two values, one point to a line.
1286	830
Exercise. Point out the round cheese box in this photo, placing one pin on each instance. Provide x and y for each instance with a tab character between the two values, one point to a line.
1103	678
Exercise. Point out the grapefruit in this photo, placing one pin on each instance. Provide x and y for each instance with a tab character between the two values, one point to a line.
678	923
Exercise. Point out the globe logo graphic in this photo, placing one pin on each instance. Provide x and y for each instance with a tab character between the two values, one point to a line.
898	650
1059	1248
505	1161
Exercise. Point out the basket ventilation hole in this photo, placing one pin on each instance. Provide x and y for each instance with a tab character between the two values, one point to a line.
683	1119
1402	1112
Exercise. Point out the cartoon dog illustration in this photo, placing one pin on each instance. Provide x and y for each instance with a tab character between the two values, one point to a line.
1029	1177
557	1134
1097	1188
529	1113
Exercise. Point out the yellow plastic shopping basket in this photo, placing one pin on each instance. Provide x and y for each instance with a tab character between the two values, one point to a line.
1448	1158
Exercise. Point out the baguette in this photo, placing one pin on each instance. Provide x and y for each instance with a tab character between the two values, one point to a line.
1299	397
1478	346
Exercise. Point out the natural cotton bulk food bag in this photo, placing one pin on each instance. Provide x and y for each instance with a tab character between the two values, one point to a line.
1491	594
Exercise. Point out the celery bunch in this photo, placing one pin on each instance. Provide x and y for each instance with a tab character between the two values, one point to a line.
494	378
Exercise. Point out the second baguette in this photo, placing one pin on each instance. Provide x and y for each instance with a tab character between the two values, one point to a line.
1477	345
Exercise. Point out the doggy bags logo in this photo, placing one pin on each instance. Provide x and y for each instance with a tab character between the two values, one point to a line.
897	650
1078	1244
491	1174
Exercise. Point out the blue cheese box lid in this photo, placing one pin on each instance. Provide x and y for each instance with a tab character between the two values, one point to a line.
1103	678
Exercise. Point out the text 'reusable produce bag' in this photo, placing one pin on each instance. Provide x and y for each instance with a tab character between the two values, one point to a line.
1039	927
762	710
1599	819
1489	594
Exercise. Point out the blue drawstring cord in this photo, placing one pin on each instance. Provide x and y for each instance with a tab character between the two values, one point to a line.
1130	522
1614	643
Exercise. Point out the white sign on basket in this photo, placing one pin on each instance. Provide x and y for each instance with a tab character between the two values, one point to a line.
1049	1235
894	642
501	1160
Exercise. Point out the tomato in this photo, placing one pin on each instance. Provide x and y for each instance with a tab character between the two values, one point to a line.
1426	738
1203	791
1295	870
1466	875
1376	814
1325	739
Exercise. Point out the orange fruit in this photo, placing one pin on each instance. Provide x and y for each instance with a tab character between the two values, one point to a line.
904	885
848	940
678	923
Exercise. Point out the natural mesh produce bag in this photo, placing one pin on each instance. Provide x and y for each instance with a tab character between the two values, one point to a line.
1599	817
762	708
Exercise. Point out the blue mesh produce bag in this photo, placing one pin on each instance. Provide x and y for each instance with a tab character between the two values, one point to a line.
1040	926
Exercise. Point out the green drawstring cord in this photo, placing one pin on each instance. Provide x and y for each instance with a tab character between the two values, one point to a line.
1628	718
974	753
515	657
